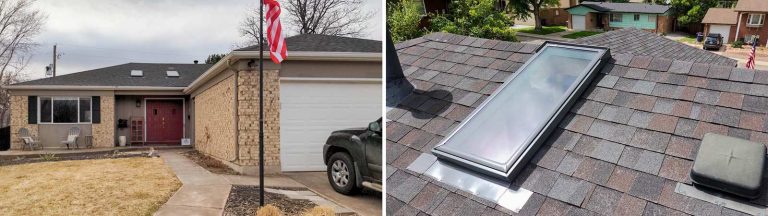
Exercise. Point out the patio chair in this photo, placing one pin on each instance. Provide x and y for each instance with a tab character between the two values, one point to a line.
72	136
29	141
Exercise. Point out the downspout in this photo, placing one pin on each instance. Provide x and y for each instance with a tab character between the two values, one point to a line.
738	27
237	105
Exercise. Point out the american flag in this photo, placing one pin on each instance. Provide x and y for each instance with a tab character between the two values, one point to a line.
751	59
275	37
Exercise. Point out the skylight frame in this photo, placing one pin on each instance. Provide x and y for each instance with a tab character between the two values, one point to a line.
137	73
513	167
172	73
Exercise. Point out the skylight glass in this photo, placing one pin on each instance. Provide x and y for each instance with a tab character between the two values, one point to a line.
172	73
501	131
137	73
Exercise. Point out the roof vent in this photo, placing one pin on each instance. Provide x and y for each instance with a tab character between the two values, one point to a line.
137	73
172	73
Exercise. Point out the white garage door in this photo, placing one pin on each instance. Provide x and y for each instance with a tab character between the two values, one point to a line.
578	22
723	30
310	110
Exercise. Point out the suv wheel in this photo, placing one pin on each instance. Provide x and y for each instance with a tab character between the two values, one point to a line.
341	173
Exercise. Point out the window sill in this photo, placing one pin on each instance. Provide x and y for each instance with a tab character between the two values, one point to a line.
754	26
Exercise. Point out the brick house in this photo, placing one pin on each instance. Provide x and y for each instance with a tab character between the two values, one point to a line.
624	148
722	21
326	83
743	22
592	16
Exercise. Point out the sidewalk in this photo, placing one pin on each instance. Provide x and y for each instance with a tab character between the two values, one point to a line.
206	193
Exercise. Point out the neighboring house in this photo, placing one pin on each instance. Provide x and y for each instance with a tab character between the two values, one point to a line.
592	16
751	16
622	149
552	16
722	21
638	42
326	83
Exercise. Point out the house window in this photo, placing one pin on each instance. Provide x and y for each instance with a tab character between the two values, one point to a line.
615	17
502	133
652	18
637	17
755	19
65	109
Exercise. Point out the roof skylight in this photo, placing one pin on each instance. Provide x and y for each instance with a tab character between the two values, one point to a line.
137	73
172	73
504	132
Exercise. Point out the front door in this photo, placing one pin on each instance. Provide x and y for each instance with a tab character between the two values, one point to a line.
165	121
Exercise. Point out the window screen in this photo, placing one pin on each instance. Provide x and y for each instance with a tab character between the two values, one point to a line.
498	132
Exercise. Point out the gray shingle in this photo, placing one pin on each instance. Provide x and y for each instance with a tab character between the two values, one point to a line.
607	151
570	190
647	187
742	75
328	43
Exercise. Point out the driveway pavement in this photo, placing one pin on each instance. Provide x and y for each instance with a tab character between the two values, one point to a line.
367	203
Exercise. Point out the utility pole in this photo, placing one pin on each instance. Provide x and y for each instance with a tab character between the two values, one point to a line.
54	60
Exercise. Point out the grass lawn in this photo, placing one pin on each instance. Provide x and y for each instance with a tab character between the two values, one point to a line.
126	186
688	39
581	34
544	31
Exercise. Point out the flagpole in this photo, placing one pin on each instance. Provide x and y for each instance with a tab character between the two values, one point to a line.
261	103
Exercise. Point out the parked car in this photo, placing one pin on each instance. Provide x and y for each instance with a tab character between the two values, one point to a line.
353	158
713	41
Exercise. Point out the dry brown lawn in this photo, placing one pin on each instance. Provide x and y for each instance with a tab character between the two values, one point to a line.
126	186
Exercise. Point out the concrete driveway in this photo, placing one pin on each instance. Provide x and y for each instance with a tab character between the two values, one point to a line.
366	203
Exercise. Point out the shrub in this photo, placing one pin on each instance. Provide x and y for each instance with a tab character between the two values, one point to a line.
477	18
403	18
737	44
269	210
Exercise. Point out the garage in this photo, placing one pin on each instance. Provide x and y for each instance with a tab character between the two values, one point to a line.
578	22
310	109
723	30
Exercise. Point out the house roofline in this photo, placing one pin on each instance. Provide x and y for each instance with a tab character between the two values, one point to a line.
79	87
234	56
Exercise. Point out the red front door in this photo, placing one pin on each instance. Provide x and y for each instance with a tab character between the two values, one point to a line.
165	121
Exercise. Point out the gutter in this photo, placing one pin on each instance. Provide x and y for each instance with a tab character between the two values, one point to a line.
77	87
292	56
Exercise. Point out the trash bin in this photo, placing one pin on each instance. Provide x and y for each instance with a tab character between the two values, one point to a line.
699	37
121	141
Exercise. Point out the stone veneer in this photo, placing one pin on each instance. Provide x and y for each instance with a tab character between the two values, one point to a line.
248	113
19	111
104	132
214	120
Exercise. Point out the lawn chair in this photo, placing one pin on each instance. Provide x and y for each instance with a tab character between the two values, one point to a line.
72	136
28	140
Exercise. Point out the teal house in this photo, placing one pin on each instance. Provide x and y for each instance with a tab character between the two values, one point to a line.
595	16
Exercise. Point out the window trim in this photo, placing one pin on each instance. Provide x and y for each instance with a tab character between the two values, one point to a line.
761	19
636	17
620	17
516	166
54	98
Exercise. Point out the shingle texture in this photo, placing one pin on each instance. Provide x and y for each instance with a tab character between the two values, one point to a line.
620	151
325	43
120	75
636	42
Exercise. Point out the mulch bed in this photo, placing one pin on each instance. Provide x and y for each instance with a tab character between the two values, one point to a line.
70	156
209	163
244	200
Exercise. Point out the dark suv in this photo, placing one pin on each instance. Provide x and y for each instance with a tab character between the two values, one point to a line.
713	41
353	158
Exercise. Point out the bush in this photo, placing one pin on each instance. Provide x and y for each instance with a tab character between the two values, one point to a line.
737	44
269	210
403	18
477	18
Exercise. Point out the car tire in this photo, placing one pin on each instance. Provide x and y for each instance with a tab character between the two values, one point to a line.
342	174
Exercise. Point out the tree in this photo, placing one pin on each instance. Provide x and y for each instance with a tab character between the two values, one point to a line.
403	18
691	11
524	8
19	23
327	17
476	18
213	58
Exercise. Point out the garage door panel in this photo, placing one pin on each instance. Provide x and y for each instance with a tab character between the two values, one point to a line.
310	111
723	30
578	22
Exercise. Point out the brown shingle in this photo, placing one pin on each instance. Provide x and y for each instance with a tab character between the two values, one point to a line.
720	16
752	5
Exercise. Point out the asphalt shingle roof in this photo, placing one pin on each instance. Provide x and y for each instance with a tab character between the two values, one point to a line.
624	146
627	7
326	43
638	42
721	16
120	75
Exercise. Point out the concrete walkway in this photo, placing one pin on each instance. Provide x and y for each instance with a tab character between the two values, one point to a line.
205	193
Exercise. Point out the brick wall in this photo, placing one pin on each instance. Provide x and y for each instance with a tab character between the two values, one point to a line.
758	30
214	120
104	132
248	113
19	119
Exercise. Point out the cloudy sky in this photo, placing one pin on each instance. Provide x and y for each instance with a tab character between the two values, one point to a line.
94	34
